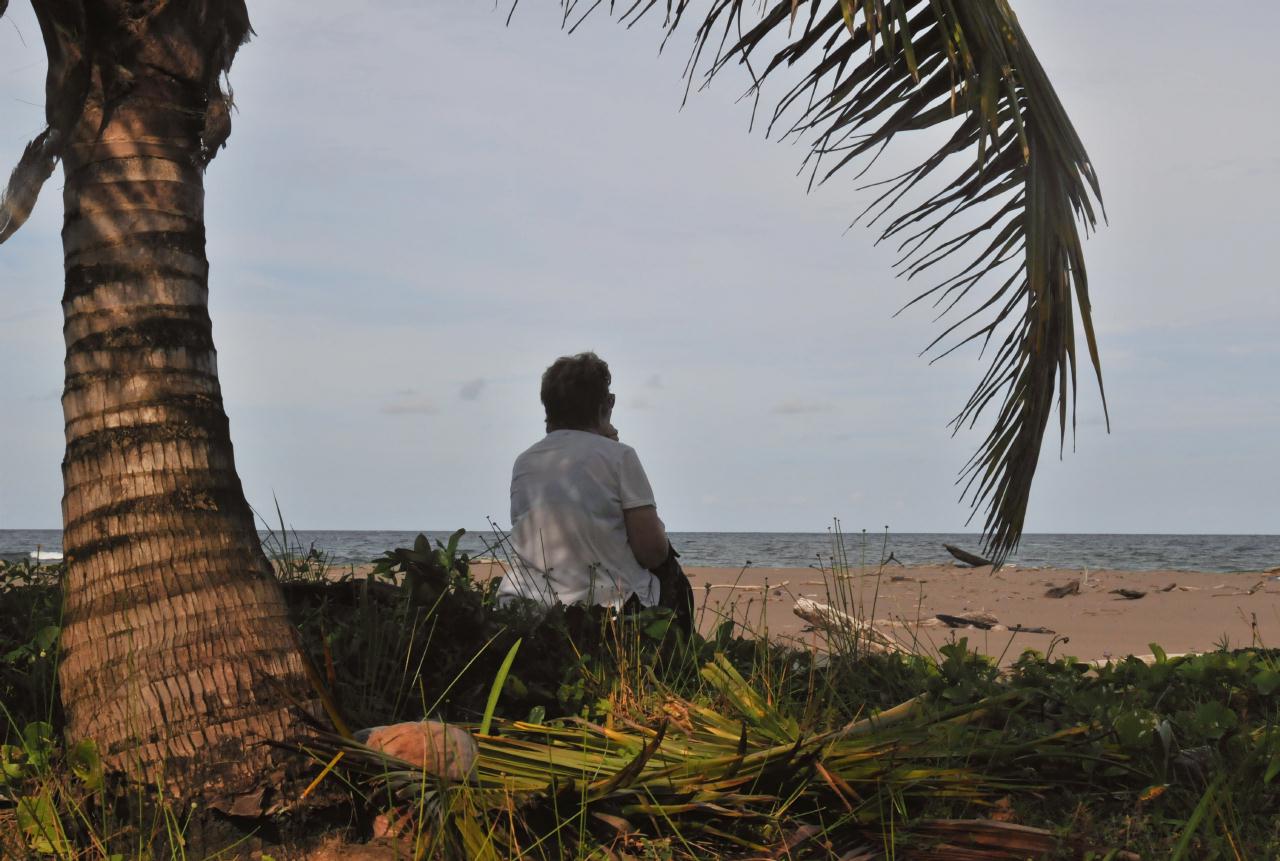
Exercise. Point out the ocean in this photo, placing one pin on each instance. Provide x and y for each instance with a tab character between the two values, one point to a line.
1215	553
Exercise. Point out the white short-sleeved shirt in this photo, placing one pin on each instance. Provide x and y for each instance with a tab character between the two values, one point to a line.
568	492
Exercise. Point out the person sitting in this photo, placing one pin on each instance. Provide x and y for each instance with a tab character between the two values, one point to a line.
584	523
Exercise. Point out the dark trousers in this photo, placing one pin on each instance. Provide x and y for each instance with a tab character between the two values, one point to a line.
676	594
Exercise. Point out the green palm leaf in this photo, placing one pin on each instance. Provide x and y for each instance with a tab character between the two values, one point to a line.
1000	200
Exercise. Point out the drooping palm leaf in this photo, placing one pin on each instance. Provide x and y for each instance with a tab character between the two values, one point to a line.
1000	200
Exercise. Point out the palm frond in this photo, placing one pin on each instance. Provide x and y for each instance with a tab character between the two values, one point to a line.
35	166
739	772
1004	211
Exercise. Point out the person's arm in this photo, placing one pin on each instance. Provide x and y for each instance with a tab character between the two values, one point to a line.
647	535
645	532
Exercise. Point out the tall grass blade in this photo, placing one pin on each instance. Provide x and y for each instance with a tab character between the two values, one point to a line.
498	681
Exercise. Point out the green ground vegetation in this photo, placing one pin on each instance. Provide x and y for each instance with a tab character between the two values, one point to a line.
617	738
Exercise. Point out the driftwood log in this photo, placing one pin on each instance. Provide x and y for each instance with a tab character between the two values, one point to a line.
987	622
1072	588
984	621
833	622
1131	594
966	557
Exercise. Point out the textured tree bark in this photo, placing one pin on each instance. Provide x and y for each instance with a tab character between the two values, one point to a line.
178	655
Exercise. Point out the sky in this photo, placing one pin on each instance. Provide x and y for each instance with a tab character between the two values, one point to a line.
421	207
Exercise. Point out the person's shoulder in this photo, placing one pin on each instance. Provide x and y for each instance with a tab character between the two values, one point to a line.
544	444
596	447
622	454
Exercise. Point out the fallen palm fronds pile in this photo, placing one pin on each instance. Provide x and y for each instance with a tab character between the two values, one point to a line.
741	775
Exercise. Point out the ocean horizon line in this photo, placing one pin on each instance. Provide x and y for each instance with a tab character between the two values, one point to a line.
1133	551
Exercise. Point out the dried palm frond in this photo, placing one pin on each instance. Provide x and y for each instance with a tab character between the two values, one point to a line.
1018	185
738	774
981	840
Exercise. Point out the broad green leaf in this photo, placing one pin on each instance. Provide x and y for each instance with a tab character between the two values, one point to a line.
1267	682
85	763
40	825
1214	720
46	637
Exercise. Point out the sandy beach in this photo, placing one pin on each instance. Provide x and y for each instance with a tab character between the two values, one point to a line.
1181	611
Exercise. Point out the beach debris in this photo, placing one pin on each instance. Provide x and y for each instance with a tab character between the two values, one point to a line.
1131	594
749	587
1027	629
893	558
966	557
831	621
1169	588
1072	588
1275	570
1252	590
902	578
985	621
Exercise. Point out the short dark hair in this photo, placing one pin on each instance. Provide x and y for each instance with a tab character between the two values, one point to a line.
575	390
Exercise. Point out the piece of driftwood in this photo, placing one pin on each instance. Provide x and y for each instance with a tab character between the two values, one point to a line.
985	621
749	587
1131	594
830	621
1169	588
1029	629
1072	588
1252	591
966	557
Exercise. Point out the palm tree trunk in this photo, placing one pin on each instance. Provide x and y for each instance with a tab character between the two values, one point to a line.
178	653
